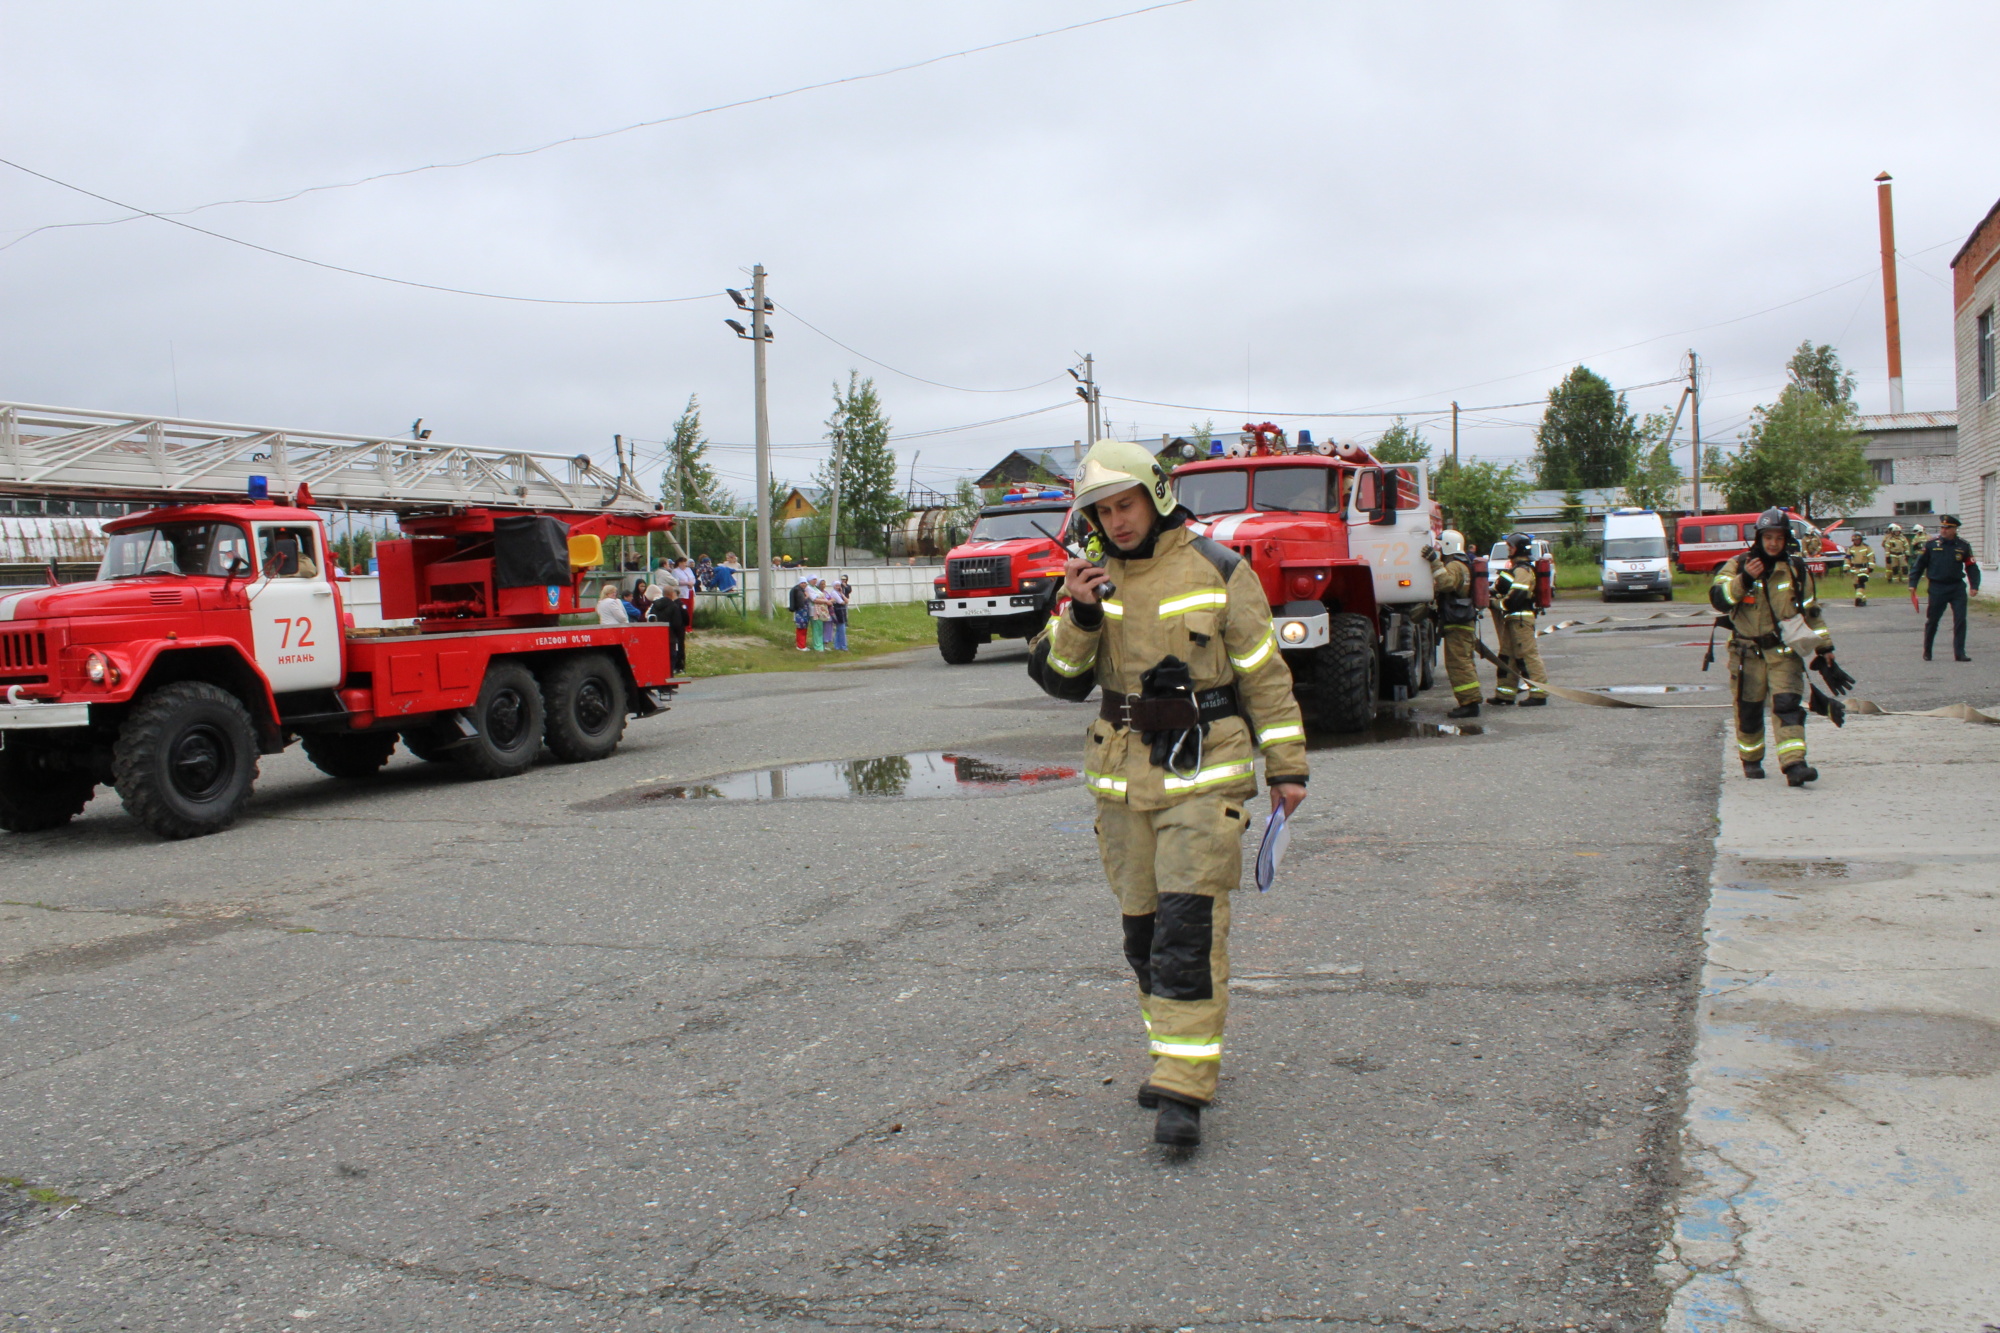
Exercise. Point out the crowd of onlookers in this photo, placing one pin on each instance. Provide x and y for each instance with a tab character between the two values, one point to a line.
819	606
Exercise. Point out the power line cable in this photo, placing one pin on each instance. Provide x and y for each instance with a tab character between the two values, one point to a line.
355	272
938	384
1376	416
606	134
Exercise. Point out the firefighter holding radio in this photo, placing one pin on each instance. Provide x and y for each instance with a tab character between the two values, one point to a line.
1514	607
1176	630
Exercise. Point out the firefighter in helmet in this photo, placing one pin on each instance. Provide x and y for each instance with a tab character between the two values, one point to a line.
1895	554
1913	542
1176	630
1514	615
1758	592
1860	564
1451	575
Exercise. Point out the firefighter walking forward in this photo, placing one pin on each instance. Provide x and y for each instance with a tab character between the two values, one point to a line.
1177	632
1896	554
1759	592
1514	617
1451	575
1860	564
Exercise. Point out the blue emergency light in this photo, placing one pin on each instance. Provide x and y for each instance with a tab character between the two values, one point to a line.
1305	440
260	488
1215	449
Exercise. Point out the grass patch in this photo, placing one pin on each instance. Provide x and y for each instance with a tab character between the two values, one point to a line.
724	643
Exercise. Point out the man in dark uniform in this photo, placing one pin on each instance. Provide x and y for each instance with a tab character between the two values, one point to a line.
1946	560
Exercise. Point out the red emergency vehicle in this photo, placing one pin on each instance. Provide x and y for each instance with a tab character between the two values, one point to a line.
1337	538
216	629
1705	542
1004	579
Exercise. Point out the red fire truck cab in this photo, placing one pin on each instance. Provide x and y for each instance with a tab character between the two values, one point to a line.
1004	579
216	632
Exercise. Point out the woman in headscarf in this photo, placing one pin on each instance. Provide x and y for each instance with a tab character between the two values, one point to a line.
818	611
836	605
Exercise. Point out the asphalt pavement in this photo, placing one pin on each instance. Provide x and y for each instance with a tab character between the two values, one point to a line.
581	1049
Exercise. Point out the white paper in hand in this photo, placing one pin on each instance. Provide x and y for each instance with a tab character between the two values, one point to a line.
1271	851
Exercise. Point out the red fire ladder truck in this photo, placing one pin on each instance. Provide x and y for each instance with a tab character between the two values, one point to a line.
217	629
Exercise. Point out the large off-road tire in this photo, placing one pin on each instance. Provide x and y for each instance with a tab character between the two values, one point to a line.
1336	683
435	742
186	759
355	754
584	700
33	797
508	714
958	642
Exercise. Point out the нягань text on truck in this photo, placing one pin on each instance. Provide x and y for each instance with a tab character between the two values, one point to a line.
216	629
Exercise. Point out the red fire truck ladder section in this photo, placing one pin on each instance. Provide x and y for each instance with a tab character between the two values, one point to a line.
76	453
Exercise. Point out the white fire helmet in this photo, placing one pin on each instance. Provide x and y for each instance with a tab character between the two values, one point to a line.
1451	542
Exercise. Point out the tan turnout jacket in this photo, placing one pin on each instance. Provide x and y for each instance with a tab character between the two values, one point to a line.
1180	603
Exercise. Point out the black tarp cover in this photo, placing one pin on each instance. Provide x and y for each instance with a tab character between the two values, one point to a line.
530	551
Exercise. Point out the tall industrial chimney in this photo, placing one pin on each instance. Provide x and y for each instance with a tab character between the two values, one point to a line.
1891	317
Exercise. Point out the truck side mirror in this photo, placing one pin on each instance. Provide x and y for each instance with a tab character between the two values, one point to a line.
1368	490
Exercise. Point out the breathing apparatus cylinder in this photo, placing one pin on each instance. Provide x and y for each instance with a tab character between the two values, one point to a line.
1481	594
1545	583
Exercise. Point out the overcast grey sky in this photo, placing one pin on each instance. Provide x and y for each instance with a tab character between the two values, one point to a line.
1263	206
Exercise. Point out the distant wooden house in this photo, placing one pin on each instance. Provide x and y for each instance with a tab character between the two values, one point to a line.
803	502
1030	465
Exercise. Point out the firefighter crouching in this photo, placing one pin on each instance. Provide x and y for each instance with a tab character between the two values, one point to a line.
1860	564
1177	631
1514	617
1758	592
1451	575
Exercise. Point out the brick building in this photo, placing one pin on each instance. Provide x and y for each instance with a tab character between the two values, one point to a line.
1975	273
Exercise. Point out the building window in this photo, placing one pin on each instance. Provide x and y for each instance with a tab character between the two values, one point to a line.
1912	507
1983	340
1885	470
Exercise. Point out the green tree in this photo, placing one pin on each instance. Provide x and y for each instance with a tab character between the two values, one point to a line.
1575	518
859	434
689	484
1402	443
1655	479
1802	453
1479	499
1587	437
1818	371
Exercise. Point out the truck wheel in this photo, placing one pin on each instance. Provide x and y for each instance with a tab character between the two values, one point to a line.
434	744
185	759
357	754
32	799
508	715
958	643
1335	683
584	698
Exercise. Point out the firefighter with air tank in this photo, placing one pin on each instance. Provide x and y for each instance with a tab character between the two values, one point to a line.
1451	574
1176	630
1767	597
1514	609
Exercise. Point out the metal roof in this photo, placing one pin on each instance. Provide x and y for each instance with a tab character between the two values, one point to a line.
1945	420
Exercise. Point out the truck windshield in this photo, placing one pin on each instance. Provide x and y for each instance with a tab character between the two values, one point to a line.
1015	526
1296	489
174	548
1635	548
1213	492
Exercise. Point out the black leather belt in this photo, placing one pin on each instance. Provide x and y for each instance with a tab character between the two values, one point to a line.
1175	714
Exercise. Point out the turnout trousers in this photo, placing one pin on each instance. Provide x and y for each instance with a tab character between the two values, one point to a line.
1757	675
1459	663
1951	596
1518	657
1172	871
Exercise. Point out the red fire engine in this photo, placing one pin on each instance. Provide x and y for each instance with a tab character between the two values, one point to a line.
1004	579
217	629
1337	537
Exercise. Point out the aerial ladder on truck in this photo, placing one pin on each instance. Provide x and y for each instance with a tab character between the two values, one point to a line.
216	629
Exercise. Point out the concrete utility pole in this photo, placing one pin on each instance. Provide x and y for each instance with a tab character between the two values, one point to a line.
766	572
1454	432
1086	389
1694	420
1892	318
833	526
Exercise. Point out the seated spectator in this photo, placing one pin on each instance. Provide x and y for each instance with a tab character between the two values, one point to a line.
611	607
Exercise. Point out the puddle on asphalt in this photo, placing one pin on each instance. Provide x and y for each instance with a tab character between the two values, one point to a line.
1396	726
1655	689
1900	1042
922	775
1813	872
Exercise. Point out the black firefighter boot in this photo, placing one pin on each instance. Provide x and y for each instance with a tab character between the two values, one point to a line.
1801	773
1753	768
1179	1125
1465	710
1148	1098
